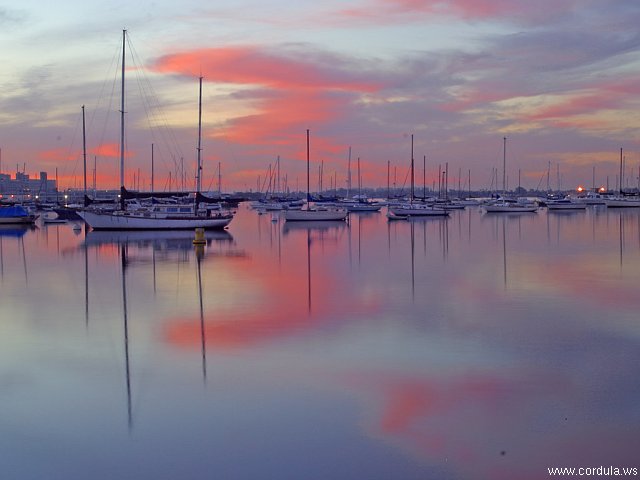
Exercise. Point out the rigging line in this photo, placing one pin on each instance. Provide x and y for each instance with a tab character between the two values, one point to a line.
70	153
114	59
151	101
405	180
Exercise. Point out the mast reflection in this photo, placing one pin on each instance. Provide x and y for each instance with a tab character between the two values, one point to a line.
319	232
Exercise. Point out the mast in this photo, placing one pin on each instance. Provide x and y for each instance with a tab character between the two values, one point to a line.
308	191
359	181
277	179
199	167
504	165
620	171
412	179
122	202
349	175
424	177
95	174
388	177
152	170
446	180
84	154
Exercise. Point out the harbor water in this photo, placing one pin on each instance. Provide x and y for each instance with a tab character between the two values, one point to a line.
479	346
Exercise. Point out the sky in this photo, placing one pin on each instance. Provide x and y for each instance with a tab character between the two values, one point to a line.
558	79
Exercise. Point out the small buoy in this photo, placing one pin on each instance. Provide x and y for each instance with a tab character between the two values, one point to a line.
199	238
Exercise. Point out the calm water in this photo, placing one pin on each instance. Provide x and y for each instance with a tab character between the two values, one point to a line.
476	347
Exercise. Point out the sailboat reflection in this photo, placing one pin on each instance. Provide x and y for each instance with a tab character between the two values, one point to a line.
165	240
124	263
320	232
17	232
133	249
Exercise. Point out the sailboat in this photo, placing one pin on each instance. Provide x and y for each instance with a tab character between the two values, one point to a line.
623	200
314	212
412	209
162	216
505	204
360	203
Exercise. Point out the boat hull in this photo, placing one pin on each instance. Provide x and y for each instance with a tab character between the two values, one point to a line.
567	206
119	221
314	215
27	220
409	211
622	203
511	208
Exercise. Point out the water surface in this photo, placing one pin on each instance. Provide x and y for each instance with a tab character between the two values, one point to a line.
478	346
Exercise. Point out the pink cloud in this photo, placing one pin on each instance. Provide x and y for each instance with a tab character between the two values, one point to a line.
385	11
292	93
251	65
600	97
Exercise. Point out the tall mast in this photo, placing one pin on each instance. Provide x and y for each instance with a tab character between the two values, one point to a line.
199	167
359	181
504	164
124	35
278	178
424	177
152	169
95	173
411	198
388	178
308	191
349	175
620	171
84	153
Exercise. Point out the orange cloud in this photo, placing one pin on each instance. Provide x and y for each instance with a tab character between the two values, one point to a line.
599	97
291	93
250	65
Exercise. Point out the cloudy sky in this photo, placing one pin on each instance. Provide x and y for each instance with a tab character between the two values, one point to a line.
559	79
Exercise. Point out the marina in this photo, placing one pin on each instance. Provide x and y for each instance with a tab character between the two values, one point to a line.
439	281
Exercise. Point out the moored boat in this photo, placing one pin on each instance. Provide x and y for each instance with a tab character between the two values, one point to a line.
565	204
312	212
16	214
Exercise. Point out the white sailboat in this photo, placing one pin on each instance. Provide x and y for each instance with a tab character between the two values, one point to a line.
413	209
622	200
155	216
509	205
313	212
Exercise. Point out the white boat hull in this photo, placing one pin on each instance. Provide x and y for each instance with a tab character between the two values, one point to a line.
314	215
363	208
567	206
622	203
510	209
124	221
418	211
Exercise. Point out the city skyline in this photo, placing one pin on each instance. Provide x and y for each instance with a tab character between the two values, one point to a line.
559	80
